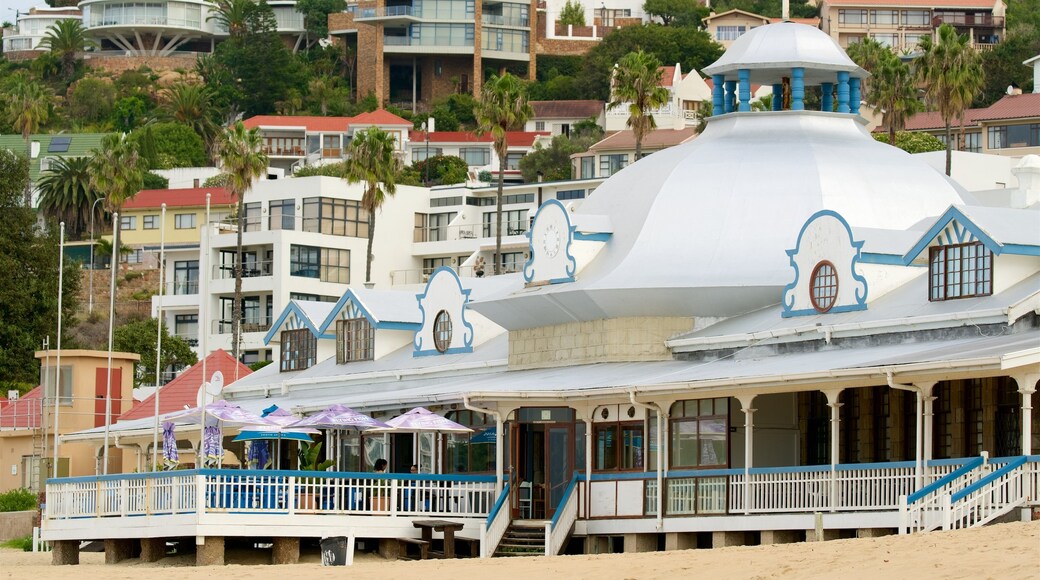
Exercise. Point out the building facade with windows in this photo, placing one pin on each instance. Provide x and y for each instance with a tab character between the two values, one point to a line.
30	29
782	330
477	151
559	117
45	149
685	95
1009	127
725	27
901	25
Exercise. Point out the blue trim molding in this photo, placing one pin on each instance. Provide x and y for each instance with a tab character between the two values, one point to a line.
860	296
953	227
468	333
350	306
569	230
293	318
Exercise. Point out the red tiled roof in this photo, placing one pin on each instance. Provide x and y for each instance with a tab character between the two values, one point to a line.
23	413
810	21
1024	106
566	109
935	4
658	139
513	138
184	390
379	117
667	72
311	123
192	197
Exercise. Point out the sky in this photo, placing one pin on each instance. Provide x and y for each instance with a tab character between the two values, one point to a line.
7	7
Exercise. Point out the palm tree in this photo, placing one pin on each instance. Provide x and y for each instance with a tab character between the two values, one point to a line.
637	84
868	54
114	171
190	104
28	106
65	39
371	161
502	107
893	93
322	90
232	15
951	72
242	157
66	193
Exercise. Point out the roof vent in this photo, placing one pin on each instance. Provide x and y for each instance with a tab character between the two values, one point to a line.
12	395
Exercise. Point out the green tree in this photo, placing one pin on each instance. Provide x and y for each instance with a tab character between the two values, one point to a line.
692	49
1023	13
553	163
232	16
66	194
66	39
114	171
371	161
913	142
444	170
868	54
572	14
242	157
1003	63
139	337
190	104
90	99
637	86
323	91
170	145
676	12
128	112
502	108
316	15
952	75
29	286
28	107
893	94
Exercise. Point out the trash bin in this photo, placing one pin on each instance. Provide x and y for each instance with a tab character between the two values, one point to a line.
334	551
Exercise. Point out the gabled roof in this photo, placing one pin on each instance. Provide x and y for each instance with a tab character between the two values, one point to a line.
566	109
513	138
659	139
667	75
379	117
79	145
308	122
1024	106
736	11
933	120
183	390
192	197
1001	230
300	314
23	413
384	309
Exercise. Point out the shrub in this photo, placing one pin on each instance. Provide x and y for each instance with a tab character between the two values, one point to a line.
132	275
17	500
23	544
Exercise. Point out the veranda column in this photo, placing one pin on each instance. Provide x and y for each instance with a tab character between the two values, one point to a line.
928	401
1026	387
749	447
499	454
797	89
843	92
832	402
718	94
745	89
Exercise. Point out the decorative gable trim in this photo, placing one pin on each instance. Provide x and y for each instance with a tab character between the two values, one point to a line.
350	306
443	292
552	232
825	238
292	318
952	227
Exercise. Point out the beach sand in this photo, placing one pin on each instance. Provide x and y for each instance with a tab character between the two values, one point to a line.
1005	551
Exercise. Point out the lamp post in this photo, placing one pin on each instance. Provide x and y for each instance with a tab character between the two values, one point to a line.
90	299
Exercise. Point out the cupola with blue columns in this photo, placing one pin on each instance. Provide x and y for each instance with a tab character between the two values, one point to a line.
791	58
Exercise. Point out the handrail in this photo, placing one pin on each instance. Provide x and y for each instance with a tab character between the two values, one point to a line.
502	497
568	509
1009	467
945	480
563	500
278	472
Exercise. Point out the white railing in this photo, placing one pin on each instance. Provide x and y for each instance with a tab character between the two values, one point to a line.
258	492
559	528
989	498
494	529
255	269
922	510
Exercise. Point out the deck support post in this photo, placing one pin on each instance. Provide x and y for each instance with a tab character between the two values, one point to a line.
833	402
65	553
117	550
1026	387
153	549
209	551
285	551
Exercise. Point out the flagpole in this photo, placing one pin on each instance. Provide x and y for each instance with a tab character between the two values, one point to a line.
158	338
57	384
203	327
111	322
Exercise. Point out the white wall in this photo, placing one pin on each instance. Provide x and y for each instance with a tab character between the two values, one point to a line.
184	177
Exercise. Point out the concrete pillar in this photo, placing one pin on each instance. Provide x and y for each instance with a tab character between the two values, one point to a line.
827	97
65	553
745	89
778	96
726	539
780	537
718	94
797	89
874	532
153	549
209	551
286	551
835	405
597	545
854	96
680	541
640	543
390	548
731	96
118	550
821	535
843	92
1026	387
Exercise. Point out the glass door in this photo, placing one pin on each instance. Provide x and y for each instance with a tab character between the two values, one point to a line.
559	464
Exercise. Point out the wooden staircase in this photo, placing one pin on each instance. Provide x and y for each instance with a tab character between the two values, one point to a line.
522	539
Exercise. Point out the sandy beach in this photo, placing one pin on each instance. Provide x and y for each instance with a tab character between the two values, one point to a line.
1005	551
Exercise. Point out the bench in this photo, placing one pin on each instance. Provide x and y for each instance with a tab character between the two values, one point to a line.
424	547
472	545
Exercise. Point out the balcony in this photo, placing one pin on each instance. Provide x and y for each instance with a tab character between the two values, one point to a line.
258	269
251	324
143	20
498	20
962	20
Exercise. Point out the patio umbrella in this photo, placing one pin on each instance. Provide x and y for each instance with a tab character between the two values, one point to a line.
422	420
340	417
259	454
279	427
211	446
227	413
170	455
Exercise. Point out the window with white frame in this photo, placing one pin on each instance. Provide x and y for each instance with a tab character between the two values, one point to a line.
420	152
611	164
729	32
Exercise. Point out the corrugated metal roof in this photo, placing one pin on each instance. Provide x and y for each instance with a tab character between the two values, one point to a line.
80	145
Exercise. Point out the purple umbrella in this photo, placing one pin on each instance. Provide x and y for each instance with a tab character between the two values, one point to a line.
170	455
221	411
421	419
211	447
340	417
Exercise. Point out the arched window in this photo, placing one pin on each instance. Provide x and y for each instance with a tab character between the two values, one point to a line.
823	286
442	331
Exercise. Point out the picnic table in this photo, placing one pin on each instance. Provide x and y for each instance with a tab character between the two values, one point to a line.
448	528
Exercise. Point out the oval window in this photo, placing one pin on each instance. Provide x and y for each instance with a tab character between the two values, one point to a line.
823	286
442	331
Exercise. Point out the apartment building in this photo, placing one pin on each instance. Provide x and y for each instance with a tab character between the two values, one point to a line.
600	18
412	52
902	24
685	94
725	27
1009	127
477	151
30	29
172	27
557	117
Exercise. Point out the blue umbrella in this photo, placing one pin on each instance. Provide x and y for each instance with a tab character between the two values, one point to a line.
272	435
